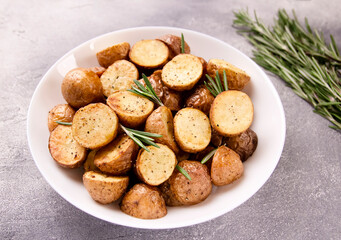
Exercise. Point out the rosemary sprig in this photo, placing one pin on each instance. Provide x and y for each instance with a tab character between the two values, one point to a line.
301	57
147	92
64	123
141	137
183	172
182	43
215	86
208	156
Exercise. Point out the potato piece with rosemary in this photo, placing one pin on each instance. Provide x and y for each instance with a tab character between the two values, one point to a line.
226	166
64	149
236	78
94	125
161	122
143	201
157	165
117	157
182	72
155	81
174	44
192	130
178	190
150	53
119	76
131	109
231	113
103	188
113	53
61	113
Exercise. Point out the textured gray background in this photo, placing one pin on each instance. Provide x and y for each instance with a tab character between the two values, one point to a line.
302	198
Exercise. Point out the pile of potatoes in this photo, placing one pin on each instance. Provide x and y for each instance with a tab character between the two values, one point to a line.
87	130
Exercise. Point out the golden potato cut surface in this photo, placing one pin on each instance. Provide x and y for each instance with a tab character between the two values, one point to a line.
119	76
182	72
94	125
131	109
117	157
64	149
236	78
226	166
111	54
192	130
103	188
231	113
149	53
156	166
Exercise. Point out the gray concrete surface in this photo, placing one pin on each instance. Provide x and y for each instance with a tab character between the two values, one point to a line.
301	200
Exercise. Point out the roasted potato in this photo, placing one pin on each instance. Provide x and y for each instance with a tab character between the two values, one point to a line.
103	188
149	53
171	99
216	138
201	99
182	72
231	113
119	76
236	78
82	86
161	122
117	157
178	190
156	166
89	164
64	149
94	125
131	109
143	201
60	112
98	70
226	166
155	81
244	144
111	54
174	44
192	130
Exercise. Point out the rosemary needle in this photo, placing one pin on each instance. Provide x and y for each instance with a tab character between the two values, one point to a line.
64	123
183	172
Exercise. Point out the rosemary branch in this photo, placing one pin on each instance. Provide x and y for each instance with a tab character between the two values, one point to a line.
215	86
301	57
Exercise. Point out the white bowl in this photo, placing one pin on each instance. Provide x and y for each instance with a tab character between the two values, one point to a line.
269	124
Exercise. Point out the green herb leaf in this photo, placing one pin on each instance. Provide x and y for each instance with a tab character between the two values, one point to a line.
64	123
215	86
182	43
183	172
208	156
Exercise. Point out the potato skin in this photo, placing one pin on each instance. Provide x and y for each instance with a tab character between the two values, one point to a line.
201	99
113	53
81	86
60	112
155	81
143	201
178	190
98	70
174	44
244	144
117	157
171	99
226	166
64	149
161	122
103	188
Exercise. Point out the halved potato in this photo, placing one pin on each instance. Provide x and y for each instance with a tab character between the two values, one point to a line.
98	70
119	76
117	157
143	201
103	188
226	166
192	130
155	81
64	149
201	98
111	54
231	113
174	44
156	166
89	164
131	109
149	53
236	78
161	122
178	190
60	112
94	125
182	72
